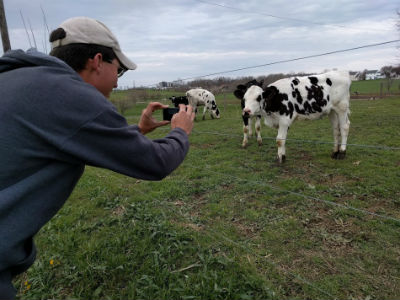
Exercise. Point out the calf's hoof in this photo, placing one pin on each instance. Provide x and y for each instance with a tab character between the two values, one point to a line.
259	143
338	155
281	160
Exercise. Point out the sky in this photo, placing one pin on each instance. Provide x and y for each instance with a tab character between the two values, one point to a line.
173	40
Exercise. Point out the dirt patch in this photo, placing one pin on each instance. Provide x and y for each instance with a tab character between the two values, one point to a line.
248	230
119	211
335	234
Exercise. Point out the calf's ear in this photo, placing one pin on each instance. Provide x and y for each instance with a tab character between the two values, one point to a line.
239	93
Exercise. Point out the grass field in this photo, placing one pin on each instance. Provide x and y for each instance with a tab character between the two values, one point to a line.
230	223
376	86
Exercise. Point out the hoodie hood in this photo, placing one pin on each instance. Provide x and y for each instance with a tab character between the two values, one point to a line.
15	59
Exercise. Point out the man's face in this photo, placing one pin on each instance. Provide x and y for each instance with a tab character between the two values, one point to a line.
109	77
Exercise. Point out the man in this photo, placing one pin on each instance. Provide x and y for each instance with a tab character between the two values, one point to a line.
55	119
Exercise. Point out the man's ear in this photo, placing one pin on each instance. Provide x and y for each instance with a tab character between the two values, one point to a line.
95	63
92	68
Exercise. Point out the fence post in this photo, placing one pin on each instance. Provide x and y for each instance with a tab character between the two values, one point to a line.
3	28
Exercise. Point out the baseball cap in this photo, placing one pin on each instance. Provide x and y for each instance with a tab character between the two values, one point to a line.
84	30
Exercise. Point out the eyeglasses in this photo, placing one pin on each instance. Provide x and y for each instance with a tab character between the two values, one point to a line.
120	71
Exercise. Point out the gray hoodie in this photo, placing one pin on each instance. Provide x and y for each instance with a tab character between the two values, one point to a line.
52	124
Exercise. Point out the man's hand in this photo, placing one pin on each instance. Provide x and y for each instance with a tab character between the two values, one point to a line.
147	123
184	118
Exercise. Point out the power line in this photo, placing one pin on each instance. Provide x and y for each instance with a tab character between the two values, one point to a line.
290	60
259	13
280	17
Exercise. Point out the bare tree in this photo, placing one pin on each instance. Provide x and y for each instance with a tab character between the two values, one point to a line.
387	71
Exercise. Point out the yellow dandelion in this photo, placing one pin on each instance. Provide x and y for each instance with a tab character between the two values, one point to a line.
26	283
28	286
52	261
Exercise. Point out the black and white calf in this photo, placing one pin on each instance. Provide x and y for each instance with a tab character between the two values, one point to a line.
247	119
308	97
198	97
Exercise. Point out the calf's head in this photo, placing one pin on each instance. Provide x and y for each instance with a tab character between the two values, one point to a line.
253	101
242	93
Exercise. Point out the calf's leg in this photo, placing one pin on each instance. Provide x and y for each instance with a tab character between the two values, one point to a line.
333	117
204	112
344	124
258	130
281	141
246	131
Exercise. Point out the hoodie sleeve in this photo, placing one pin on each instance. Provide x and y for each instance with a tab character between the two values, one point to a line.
107	141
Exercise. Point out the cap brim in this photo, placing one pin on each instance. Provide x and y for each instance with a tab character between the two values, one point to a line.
125	61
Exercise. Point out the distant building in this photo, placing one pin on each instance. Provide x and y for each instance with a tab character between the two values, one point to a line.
394	75
355	76
164	85
373	74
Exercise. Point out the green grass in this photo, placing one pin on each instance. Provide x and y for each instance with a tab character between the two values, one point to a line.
375	86
230	223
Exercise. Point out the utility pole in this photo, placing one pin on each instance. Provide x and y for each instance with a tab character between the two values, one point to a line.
3	28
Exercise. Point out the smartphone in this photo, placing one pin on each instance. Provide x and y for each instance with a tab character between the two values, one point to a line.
169	112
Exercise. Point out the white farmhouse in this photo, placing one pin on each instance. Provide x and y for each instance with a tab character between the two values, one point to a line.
373	74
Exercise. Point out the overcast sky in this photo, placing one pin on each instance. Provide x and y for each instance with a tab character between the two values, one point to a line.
180	39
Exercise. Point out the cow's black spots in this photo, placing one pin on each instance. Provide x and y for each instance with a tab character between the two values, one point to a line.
274	100
245	120
296	94
287	109
291	108
259	98
307	108
316	107
315	92
298	110
313	80
328	81
295	81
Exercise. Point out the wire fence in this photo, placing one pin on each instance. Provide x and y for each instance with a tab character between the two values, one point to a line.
212	234
217	235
